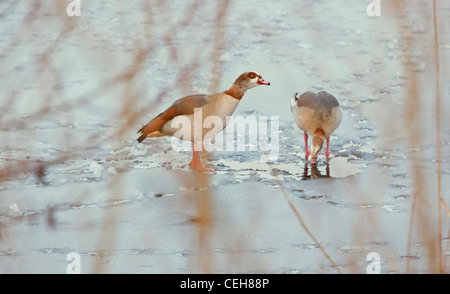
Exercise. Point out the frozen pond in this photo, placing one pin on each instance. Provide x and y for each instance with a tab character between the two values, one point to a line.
76	90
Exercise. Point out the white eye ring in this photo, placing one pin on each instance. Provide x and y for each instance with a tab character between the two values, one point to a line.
253	75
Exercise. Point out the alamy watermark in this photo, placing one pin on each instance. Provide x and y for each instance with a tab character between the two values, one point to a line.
374	8
74	267
74	8
374	266
249	133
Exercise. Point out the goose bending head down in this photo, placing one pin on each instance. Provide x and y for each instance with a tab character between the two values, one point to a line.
317	114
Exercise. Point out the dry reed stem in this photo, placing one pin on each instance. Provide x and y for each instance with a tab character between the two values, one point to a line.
410	230
413	138
204	224
421	208
300	219
438	138
444	205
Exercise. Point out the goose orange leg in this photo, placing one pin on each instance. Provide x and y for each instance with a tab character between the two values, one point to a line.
307	154
195	162
327	153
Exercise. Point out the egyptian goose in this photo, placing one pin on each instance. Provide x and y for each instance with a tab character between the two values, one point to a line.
319	115
201	106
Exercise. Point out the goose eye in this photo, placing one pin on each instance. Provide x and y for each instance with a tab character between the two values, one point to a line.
252	75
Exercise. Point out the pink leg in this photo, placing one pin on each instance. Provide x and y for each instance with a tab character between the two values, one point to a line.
327	153
307	154
195	162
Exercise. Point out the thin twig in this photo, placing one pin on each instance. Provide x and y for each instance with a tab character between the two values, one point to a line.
442	201
300	219
411	221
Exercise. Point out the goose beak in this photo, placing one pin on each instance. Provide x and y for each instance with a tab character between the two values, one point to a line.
261	81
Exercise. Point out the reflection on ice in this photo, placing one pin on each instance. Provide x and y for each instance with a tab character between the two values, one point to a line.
336	167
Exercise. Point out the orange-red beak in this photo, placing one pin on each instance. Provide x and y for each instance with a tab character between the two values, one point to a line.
261	81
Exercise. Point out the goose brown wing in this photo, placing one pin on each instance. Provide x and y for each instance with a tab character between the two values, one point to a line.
183	106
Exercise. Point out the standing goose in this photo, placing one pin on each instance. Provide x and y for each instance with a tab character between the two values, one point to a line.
218	105
319	115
